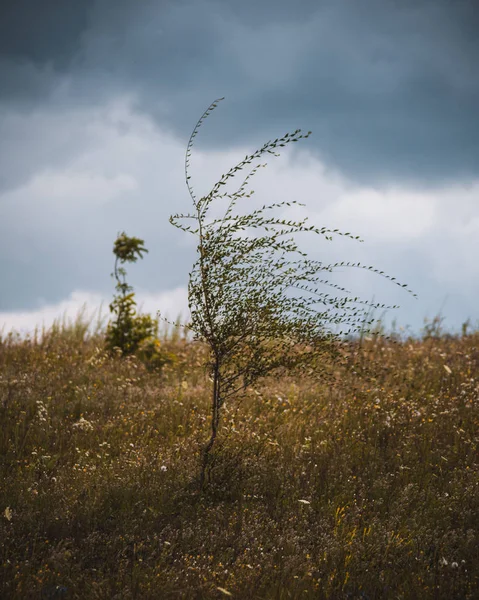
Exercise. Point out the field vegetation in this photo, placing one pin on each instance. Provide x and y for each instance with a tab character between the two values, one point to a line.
362	485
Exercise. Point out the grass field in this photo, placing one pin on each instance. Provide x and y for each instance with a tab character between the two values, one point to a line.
365	486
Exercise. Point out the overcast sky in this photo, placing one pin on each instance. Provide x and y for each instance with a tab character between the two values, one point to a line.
98	99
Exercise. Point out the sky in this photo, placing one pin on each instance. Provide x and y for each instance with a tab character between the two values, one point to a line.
98	100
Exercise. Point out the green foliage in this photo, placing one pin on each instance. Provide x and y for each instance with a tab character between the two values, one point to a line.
255	297
130	331
151	353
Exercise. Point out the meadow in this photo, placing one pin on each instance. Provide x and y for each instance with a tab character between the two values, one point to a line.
363	485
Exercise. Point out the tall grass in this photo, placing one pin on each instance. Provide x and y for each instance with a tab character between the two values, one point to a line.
366	486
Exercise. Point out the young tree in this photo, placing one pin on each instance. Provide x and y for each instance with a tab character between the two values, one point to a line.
129	330
256	299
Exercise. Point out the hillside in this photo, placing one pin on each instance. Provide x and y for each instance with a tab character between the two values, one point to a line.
364	486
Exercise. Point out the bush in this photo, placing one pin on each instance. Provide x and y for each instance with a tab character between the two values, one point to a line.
129	331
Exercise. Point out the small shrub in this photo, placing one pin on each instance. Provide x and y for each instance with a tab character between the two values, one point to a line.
130	331
152	354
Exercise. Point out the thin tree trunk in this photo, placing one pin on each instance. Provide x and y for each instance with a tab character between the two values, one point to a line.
215	417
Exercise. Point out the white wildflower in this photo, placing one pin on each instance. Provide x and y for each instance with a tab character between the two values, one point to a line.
42	412
83	425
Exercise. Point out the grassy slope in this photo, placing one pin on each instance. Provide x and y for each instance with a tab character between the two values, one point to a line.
365	488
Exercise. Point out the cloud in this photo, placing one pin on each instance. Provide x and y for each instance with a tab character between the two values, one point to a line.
58	227
390	98
391	215
93	307
424	238
99	97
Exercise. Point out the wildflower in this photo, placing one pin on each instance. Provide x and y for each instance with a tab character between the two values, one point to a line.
42	411
163	468
83	425
443	562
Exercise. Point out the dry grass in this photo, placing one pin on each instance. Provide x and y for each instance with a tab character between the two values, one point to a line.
364	488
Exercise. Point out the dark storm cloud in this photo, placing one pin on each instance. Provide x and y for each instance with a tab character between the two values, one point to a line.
390	89
42	31
36	40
